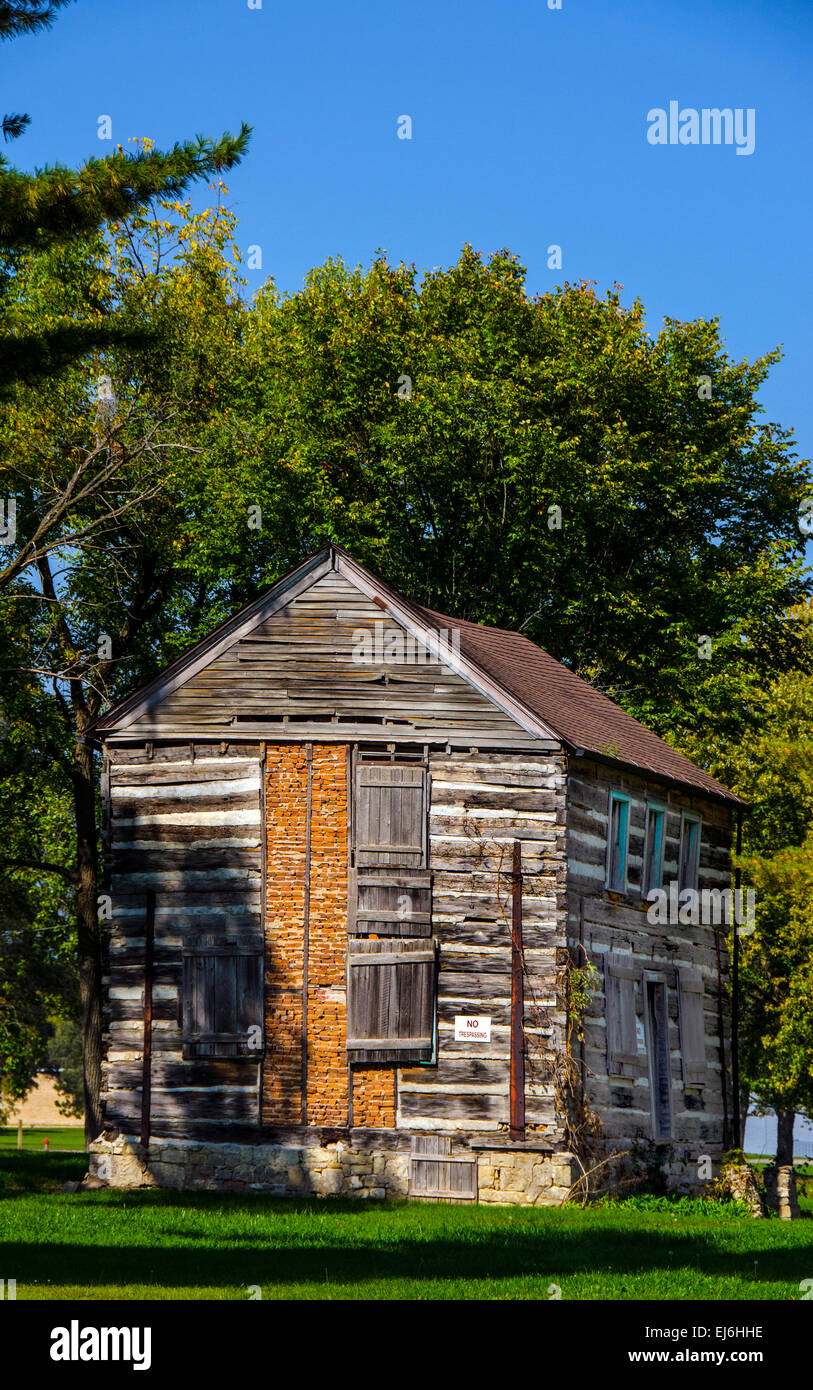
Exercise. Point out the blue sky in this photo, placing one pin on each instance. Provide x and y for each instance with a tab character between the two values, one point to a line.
529	128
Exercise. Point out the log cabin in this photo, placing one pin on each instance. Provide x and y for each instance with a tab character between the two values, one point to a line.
378	916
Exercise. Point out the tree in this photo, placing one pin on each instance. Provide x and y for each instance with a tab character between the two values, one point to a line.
37	923
64	1058
56	206
81	625
538	462
773	771
777	988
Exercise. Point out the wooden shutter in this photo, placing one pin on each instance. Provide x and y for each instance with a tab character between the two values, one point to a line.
394	903
623	1058
692	1027
391	1001
222	998
390	815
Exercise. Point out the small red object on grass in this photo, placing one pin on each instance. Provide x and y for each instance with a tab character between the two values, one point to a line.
45	1142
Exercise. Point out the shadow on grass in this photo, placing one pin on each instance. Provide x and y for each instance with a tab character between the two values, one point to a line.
22	1172
315	1254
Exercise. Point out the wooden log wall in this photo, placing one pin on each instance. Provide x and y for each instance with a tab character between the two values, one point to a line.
480	803
185	823
604	921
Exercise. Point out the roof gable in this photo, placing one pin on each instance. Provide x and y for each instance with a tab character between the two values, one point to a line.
485	681
323	648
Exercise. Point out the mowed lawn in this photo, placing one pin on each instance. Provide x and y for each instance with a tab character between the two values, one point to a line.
164	1245
61	1138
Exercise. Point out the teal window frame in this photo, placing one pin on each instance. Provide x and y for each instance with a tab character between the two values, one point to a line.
654	845
615	870
691	830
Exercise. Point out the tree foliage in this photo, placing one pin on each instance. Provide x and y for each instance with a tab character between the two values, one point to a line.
440	427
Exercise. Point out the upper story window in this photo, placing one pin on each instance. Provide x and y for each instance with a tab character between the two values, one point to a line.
618	823
689	857
652	875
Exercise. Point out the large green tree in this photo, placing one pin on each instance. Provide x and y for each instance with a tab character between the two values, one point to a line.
84	613
773	770
544	463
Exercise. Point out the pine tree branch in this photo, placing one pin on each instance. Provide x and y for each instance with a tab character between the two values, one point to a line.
27	358
26	16
56	204
14	125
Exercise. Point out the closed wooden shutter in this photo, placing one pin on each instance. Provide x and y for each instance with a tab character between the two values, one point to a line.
390	1001
623	1057
223	998
390	815
692	1026
394	903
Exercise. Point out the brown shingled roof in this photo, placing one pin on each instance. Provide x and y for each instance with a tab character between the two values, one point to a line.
579	714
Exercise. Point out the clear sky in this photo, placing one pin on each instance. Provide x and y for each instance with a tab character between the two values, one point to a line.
529	128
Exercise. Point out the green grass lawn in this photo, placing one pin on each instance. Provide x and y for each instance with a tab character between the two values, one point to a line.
165	1245
69	1137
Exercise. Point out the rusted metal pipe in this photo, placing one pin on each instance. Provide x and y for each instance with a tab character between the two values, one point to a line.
146	1075
735	1001
517	1072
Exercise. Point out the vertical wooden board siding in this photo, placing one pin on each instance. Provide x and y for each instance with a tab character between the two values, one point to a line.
184	825
617	923
302	663
480	803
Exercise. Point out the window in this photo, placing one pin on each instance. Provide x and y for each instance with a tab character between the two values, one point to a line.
689	860
222	1002
660	1072
391	982
392	893
390	815
617	838
391	1001
652	875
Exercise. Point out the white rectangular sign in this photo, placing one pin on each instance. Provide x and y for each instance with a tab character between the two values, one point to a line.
471	1028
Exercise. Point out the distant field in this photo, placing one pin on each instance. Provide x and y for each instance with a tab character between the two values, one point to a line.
69	1137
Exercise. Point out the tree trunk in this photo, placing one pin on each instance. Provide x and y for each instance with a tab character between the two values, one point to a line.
89	934
785	1120
745	1101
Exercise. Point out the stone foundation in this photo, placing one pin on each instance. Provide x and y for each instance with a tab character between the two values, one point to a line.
285	1169
333	1170
513	1177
